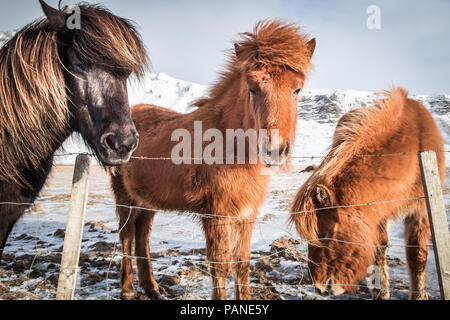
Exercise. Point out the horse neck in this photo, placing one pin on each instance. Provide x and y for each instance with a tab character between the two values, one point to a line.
230	105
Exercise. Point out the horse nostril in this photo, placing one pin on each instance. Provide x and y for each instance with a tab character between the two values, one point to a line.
130	143
284	150
287	148
133	144
109	141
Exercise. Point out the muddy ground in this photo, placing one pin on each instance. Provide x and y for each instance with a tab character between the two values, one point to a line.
30	265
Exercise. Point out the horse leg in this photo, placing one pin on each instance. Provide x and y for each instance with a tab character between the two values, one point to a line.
217	233
126	234
143	227
417	237
8	218
381	263
242	234
4	234
127	217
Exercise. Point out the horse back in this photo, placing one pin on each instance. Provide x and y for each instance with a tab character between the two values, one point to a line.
147	116
426	130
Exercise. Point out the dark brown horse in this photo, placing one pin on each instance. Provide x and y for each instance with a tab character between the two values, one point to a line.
259	90
345	241
54	81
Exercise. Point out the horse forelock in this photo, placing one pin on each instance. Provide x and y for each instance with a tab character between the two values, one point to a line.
274	46
109	41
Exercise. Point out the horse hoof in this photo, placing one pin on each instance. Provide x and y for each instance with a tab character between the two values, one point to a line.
418	296
155	295
380	294
128	296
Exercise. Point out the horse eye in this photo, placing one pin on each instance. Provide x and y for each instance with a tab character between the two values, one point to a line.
252	92
296	92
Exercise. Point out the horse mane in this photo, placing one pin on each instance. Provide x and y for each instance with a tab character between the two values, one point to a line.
302	215
33	96
358	132
273	46
362	131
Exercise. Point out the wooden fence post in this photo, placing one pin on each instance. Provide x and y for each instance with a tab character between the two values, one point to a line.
74	229
438	219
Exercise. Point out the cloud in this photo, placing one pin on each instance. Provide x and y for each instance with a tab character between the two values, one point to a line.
189	39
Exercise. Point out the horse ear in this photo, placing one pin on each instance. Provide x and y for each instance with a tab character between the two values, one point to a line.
324	196
56	19
311	47
237	49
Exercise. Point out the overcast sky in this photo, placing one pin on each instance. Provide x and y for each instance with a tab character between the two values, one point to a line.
188	39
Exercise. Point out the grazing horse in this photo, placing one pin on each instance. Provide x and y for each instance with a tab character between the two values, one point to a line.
55	81
344	240
258	90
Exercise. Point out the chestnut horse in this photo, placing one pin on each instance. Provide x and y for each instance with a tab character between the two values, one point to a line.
259	90
345	241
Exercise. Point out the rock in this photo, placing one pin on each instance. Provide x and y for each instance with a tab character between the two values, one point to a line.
264	293
36	273
286	247
170	280
3	289
102	246
264	264
309	169
20	266
269	217
60	233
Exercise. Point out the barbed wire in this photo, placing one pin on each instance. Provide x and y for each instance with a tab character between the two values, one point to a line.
234	158
218	216
38	252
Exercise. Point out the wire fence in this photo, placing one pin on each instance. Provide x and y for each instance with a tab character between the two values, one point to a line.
203	266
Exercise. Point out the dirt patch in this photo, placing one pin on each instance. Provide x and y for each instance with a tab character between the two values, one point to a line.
309	169
264	293
286	247
92	225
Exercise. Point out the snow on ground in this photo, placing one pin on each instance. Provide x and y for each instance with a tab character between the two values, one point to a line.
31	260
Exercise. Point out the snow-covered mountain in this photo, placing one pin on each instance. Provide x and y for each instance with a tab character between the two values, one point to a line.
319	110
5	36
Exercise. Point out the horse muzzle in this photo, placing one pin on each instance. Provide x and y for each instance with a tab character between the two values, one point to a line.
276	156
329	288
118	147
